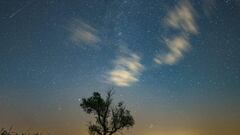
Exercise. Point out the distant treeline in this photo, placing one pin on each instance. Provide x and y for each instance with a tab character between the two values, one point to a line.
9	131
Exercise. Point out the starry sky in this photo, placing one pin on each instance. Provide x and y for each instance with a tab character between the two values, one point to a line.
175	63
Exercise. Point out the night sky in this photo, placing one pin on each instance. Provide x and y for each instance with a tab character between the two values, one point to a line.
175	63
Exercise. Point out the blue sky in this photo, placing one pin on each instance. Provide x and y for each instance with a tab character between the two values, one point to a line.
172	57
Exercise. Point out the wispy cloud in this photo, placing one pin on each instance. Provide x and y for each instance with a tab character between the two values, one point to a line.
177	46
182	17
127	68
82	33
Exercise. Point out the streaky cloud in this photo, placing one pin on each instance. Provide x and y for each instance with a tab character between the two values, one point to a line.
177	46
182	18
126	71
82	33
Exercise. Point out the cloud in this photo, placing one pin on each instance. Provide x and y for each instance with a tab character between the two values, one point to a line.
126	71
182	18
82	33
177	46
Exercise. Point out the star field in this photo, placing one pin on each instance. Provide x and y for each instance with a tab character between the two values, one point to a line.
176	63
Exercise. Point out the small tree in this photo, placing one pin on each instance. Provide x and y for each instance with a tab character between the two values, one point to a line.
109	119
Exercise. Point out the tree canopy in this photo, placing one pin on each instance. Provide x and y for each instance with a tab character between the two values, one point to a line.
109	118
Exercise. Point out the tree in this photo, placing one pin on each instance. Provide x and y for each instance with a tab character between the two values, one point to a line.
109	119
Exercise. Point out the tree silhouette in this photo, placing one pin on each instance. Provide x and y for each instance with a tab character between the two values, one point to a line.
109	119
